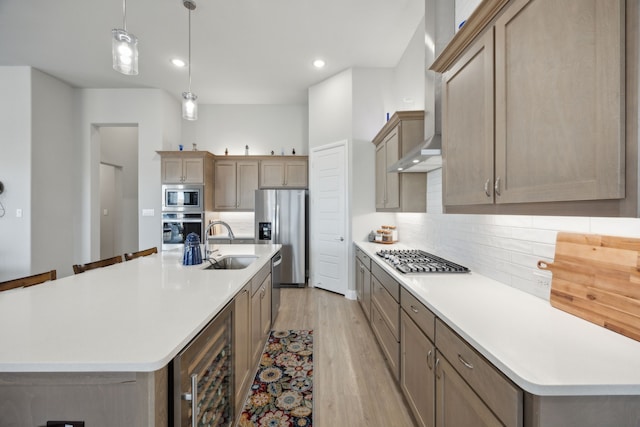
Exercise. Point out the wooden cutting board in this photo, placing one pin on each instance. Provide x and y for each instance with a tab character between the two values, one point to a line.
597	278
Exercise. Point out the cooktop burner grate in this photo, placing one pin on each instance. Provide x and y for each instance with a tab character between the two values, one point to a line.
418	261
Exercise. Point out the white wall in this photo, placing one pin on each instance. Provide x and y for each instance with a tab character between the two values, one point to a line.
408	75
264	128
15	171
158	117
330	110
54	166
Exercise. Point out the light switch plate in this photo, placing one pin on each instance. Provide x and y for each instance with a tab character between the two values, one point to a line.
148	212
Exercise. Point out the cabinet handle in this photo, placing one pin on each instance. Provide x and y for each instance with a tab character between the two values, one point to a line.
486	187
361	269
193	398
437	366
464	362
430	359
496	187
415	310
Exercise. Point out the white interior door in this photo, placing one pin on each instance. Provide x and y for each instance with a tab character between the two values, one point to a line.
329	220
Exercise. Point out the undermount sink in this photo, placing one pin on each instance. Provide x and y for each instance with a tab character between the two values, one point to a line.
231	262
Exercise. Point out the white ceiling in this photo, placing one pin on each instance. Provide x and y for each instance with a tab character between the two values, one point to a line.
243	51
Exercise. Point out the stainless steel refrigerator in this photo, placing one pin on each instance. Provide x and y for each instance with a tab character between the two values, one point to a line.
281	217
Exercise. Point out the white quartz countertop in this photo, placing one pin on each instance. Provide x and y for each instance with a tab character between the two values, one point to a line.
130	317
545	351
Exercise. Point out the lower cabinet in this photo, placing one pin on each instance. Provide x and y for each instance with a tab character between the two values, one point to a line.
242	345
363	281
251	327
260	311
417	377
456	402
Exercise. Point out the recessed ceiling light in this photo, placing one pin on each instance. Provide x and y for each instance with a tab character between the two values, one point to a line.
178	62
416	161
318	63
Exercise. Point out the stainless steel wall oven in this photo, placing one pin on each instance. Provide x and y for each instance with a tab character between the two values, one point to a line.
177	225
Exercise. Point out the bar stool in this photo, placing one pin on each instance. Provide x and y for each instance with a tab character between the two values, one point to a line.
133	255
35	279
81	268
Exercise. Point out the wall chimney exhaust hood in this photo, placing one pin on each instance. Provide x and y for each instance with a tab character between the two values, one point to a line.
424	158
439	19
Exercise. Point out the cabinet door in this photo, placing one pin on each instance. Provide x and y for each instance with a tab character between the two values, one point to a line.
296	172
256	326
366	293
171	170
225	185
359	281
456	403
417	378
381	176
392	149
242	344
265	308
193	170
271	174
247	184
467	148
560	101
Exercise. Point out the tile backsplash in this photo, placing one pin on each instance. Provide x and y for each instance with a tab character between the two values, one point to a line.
505	248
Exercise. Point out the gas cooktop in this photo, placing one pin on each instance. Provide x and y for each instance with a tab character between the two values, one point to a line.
417	261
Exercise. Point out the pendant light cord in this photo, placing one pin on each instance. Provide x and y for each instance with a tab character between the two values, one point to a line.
124	15
189	50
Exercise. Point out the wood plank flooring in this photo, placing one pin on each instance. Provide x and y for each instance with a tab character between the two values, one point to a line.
352	385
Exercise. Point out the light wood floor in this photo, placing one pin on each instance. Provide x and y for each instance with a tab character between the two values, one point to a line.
352	385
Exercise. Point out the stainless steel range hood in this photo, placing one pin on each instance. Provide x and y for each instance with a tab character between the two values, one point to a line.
439	18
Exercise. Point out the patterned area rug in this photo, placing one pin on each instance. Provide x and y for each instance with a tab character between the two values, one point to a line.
281	394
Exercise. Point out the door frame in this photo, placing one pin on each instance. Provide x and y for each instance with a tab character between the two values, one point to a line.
349	292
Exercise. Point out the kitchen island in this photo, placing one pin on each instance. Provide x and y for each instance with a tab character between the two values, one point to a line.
562	364
101	341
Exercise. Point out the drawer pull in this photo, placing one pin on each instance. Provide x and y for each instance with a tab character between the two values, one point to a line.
464	362
430	359
414	309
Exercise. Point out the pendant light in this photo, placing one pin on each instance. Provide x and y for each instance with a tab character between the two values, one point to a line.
124	47
189	99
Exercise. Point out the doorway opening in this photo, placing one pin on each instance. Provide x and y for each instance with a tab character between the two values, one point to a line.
118	189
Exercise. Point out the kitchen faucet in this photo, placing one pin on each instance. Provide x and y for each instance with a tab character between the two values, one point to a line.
206	235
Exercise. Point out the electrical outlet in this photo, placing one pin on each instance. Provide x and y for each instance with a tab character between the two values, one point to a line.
542	281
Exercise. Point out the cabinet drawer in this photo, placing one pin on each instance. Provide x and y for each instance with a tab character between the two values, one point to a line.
386	280
498	392
364	258
389	344
420	314
389	309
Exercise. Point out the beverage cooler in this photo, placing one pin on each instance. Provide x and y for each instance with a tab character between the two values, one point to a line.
202	377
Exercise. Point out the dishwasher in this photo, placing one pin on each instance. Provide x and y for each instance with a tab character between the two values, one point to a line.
276	278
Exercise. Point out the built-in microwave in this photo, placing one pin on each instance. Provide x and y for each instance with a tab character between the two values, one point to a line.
182	198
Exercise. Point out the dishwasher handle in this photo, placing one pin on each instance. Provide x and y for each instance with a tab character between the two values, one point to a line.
276	261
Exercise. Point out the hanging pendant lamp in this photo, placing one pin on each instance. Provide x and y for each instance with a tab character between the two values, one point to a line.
189	99
124	47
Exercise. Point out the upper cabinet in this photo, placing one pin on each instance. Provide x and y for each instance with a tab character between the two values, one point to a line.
395	192
186	167
535	112
235	184
284	172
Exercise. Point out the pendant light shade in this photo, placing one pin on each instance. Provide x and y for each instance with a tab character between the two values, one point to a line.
124	47
189	99
189	106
